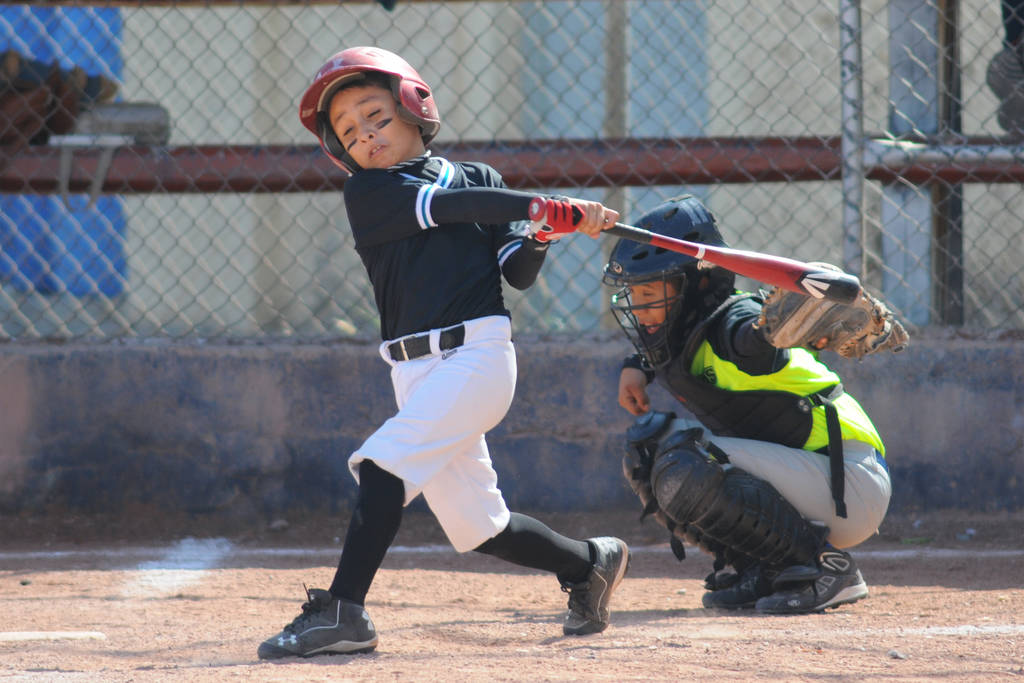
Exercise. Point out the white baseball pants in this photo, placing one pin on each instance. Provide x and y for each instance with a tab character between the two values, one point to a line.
435	443
803	478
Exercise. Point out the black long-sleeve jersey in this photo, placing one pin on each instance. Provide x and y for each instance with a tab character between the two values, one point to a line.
436	238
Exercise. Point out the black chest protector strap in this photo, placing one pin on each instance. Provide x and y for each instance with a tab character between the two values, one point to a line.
834	449
698	335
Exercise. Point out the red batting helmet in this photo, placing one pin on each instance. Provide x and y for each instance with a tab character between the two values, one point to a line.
415	100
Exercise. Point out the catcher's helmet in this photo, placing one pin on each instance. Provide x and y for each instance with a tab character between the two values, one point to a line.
414	97
634	263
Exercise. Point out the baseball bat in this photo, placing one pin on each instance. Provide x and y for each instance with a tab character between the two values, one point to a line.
795	276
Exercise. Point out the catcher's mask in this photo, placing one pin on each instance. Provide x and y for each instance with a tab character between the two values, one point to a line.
634	263
415	100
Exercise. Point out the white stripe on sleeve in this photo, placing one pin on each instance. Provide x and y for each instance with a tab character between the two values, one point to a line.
506	251
423	199
447	173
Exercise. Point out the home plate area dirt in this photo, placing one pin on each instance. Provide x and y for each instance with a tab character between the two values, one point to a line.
87	599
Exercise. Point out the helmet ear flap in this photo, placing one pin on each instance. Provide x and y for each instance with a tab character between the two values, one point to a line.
416	106
327	134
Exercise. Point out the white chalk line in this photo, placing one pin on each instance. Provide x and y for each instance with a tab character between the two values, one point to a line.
961	631
188	561
206	553
965	630
729	632
183	564
20	636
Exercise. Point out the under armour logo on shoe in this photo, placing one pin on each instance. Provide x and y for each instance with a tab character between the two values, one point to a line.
289	640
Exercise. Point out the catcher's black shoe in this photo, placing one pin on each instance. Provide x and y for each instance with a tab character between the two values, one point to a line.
743	592
327	625
801	590
720	580
588	599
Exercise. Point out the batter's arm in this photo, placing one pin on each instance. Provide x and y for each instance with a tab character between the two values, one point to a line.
384	207
521	260
491	205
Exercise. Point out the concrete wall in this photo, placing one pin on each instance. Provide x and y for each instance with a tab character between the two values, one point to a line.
260	431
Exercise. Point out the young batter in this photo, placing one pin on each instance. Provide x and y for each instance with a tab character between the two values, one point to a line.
436	238
782	469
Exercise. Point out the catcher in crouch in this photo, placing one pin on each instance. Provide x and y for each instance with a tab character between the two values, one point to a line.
782	469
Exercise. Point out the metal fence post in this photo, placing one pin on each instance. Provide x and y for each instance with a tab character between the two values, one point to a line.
922	233
949	198
616	116
851	68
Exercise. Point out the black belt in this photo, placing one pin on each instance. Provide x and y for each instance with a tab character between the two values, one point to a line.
418	345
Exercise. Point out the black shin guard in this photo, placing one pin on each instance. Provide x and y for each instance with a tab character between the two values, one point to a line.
752	518
729	507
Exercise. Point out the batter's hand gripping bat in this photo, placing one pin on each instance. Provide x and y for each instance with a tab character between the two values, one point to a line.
795	276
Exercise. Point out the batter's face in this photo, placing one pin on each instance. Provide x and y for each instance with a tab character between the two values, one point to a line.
365	119
650	303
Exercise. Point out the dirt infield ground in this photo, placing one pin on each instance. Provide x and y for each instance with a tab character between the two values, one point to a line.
88	600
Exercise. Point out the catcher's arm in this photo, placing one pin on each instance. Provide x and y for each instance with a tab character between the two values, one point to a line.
864	326
633	391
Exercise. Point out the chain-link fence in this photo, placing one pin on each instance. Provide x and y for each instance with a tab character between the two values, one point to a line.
192	203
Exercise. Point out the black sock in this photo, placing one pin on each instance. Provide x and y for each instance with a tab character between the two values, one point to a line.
529	543
374	523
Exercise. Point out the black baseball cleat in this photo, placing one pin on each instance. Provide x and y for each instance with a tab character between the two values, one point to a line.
720	579
750	585
802	589
588	600
327	625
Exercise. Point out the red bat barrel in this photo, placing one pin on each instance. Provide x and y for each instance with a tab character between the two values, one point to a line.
790	274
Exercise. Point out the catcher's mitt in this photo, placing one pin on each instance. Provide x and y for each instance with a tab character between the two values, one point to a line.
852	330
